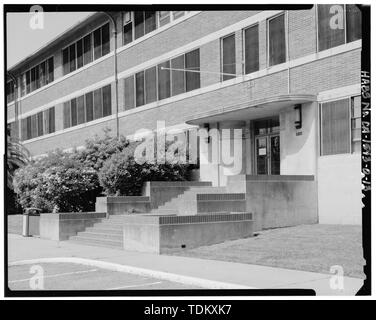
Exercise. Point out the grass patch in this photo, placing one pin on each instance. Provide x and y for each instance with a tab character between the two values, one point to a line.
308	247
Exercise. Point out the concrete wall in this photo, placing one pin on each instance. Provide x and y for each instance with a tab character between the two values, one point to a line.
278	201
123	205
298	150
159	234
60	226
339	189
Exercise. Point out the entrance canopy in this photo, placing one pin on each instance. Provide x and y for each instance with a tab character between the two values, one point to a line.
252	110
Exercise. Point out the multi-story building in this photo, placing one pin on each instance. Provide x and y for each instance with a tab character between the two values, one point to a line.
289	79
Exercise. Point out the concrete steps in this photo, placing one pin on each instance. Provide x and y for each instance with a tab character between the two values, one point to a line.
107	233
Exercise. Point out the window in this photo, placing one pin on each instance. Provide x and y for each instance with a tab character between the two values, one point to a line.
67	115
356	121
150	21
177	77
335	128
23	84
33	126
89	106
80	58
28	82
150	85
178	14
32	76
129	93
192	62
72	57
128	28
40	123
98	108
228	57
140	89
10	91
329	16
88	49
277	42
97	44
251	49
73	112
163	17
80	109
105	39
164	80
91	47
106	93
51	120
37	83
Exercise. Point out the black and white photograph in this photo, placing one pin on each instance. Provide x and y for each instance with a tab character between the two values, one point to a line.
184	150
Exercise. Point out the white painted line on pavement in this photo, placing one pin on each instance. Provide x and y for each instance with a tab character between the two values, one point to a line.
55	275
199	282
135	285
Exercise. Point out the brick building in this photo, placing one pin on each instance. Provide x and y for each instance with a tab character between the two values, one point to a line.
289	79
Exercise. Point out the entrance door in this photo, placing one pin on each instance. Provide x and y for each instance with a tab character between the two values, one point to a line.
267	145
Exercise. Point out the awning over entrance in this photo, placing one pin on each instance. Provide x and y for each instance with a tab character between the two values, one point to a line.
252	110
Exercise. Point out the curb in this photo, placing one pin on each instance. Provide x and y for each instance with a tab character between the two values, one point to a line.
206	284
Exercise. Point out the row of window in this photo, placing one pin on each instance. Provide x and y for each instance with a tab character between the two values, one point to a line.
87	49
38	124
328	37
90	106
340	126
139	23
10	91
167	79
38	76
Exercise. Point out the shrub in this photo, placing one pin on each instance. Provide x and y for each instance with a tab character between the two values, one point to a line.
122	175
57	182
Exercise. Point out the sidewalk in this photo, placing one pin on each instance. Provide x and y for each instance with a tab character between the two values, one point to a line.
255	276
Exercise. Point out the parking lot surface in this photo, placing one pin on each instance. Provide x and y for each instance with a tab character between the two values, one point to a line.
69	276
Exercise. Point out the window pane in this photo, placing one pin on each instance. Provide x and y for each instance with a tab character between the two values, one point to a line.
66	65
151	85
80	110
328	37
40	123
177	77
37	82
228	57
50	70
139	24
33	85
192	62
98	111
127	31
140	89
335	129
28	82
51	120
277	50
105	39
88	50
150	22
67	114
45	121
164	17
164	81
251	49
80	58
24	129
72	57
33	126
89	106
129	93
97	44
29	135
73	112
177	14
353	23
42	74
106	92
23	84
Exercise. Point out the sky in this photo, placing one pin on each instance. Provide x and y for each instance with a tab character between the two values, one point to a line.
23	40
